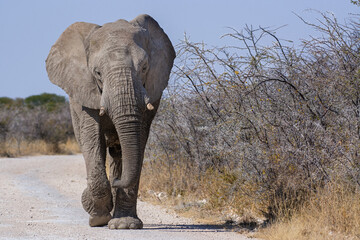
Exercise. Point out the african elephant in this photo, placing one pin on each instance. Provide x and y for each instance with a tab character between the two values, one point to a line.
114	75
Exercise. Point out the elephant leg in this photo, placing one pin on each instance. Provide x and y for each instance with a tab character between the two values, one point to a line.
124	212
96	198
125	200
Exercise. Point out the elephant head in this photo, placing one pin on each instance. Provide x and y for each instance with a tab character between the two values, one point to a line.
120	68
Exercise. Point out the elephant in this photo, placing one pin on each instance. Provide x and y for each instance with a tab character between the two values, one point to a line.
114	75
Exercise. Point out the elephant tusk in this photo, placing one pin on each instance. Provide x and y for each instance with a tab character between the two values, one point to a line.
102	111
150	107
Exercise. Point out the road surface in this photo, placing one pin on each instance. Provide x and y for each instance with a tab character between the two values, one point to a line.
40	199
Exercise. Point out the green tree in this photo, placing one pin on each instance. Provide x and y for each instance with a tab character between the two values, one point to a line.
49	101
5	101
356	2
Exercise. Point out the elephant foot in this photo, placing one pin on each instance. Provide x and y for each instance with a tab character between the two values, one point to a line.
125	223
97	221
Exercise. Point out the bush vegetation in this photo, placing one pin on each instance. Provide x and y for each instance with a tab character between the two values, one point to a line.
39	124
266	126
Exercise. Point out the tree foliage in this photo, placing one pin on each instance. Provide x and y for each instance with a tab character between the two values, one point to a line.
47	100
355	2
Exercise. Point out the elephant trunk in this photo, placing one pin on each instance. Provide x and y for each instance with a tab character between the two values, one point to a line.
129	136
120	99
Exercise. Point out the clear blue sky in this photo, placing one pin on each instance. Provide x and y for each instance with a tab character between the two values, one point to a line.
30	27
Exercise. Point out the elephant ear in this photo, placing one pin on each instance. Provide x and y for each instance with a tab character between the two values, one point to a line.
66	65
161	56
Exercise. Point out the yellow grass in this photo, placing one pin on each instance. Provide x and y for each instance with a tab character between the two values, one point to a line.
70	146
332	213
12	148
183	184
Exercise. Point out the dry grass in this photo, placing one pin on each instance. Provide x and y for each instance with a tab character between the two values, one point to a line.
186	189
332	213
70	146
12	148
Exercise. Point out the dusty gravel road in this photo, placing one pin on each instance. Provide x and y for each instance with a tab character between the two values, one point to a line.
40	199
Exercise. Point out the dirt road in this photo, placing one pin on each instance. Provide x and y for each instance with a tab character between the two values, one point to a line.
40	199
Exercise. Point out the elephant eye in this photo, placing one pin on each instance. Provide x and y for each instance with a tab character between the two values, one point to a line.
97	74
144	69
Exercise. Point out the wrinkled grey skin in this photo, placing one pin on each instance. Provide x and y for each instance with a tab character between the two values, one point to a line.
119	67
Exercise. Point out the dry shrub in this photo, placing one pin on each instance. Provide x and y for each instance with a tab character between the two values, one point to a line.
264	125
333	212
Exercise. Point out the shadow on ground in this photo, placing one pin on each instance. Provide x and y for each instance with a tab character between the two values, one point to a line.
196	227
